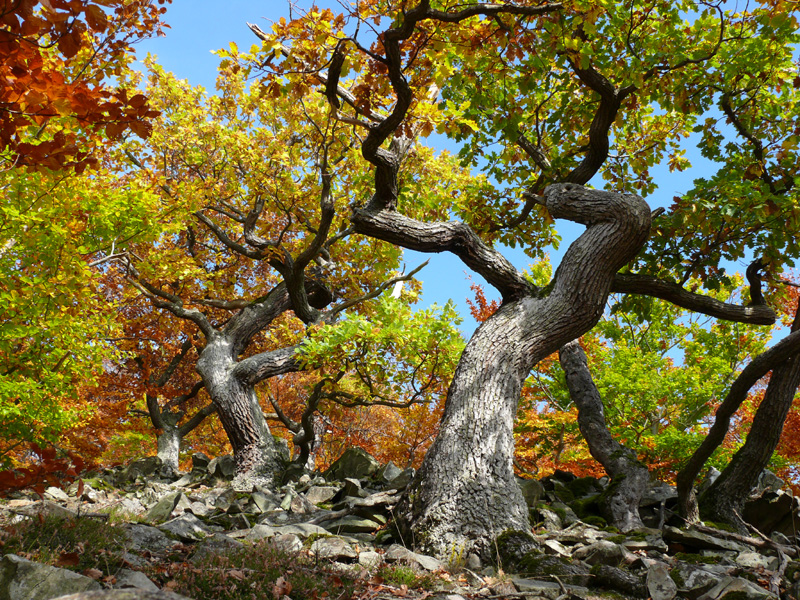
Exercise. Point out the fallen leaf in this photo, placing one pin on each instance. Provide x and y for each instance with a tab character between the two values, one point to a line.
93	573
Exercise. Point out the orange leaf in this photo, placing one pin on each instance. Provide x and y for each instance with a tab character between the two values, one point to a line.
96	18
68	559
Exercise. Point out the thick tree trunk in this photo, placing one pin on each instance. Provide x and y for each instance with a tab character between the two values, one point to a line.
257	456
169	445
724	500
629	477
465	494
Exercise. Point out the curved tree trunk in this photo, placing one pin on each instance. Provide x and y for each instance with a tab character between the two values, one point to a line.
465	494
724	500
629	477
258	457
169	446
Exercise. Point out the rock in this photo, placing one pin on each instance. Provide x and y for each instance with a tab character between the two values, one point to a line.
602	552
696	539
773	512
547	589
162	510
187	527
619	580
693	580
288	542
401	481
22	579
143	467
388	473
473	562
134	579
318	494
144	537
659	583
532	491
754	560
222	467
262	531
736	588
536	564
398	553
214	545
352	524
261	503
200	462
129	594
333	548
355	462
54	493
369	559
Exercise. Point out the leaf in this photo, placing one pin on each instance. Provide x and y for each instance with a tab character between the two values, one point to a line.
96	17
282	587
68	559
93	573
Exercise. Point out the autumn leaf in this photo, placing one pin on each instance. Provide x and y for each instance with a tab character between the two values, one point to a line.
281	587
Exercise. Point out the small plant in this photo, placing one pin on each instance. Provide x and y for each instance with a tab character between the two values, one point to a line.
256	572
77	544
403	575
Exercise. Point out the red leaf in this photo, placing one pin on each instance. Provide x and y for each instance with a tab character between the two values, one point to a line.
68	559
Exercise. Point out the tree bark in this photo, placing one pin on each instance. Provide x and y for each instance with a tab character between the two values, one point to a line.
724	500
629	477
465	494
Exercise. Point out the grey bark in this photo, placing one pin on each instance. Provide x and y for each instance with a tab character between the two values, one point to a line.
758	367
465	494
629	477
724	500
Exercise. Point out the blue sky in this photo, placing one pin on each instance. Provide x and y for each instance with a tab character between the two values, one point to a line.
198	27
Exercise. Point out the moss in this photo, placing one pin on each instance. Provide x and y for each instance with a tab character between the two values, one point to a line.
617	539
583	486
721	526
563	493
595	520
309	541
586	507
562	514
676	576
510	546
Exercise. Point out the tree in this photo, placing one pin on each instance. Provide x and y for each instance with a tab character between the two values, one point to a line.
259	259
57	108
538	94
56	57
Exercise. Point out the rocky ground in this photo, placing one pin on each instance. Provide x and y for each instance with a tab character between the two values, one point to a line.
326	536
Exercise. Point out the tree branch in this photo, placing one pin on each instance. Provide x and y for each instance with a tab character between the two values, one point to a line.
674	293
255	369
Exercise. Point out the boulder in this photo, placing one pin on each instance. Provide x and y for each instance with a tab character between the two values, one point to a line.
736	588
333	548
143	467
659	583
532	491
602	552
222	467
401	554
773	511
22	579
163	509
200	462
355	463
318	494
143	537
134	579
388	473
187	528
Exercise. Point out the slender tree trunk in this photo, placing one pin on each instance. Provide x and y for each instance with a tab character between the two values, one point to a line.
724	500
629	477
465	494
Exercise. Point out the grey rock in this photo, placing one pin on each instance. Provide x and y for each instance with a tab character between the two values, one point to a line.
602	552
693	581
773	512
187	527
696	539
222	467
401	481
659	583
547	589
555	547
736	588
355	462
54	493
163	509
261	502
473	562
134	579
388	473
398	553
144	537
213	545
128	594
200	462
333	548
22	579
369	559
532	491
574	572
317	494
143	467
288	542
754	560
352	524
302	530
